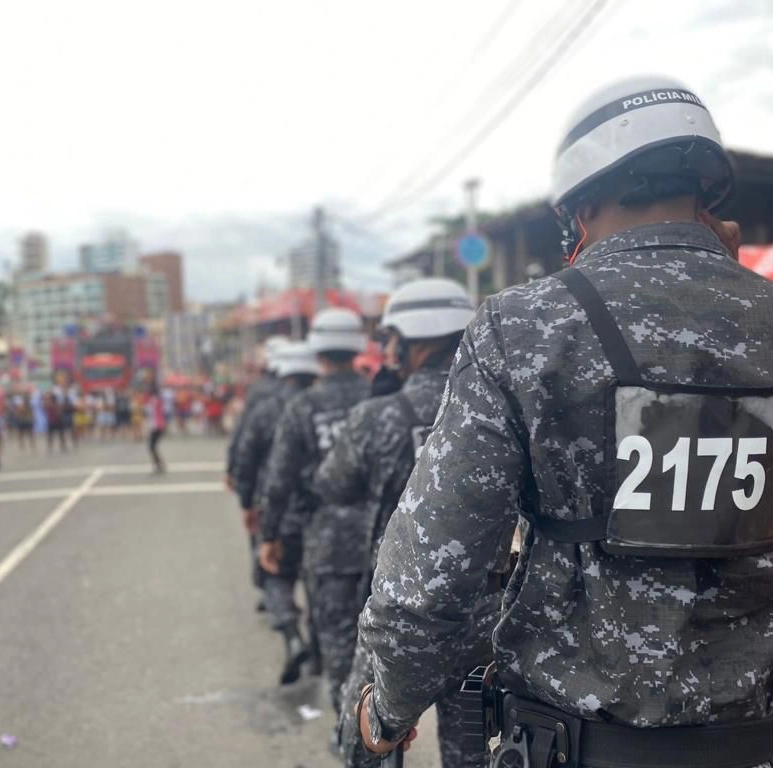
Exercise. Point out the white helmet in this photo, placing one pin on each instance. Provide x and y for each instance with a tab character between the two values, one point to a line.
297	359
337	330
428	308
272	349
627	121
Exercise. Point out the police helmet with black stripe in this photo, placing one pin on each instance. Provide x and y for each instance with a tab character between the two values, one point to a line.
654	134
297	359
337	330
428	308
272	351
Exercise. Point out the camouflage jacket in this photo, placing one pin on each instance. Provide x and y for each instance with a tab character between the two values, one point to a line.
648	641
255	443
265	385
305	433
372	459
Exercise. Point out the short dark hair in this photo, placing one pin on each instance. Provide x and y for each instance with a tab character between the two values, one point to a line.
339	356
446	348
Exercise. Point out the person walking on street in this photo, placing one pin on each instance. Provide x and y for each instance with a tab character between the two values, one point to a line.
156	420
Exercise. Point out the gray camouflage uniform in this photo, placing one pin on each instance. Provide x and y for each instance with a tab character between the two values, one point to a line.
371	463
648	641
249	476
265	385
334	541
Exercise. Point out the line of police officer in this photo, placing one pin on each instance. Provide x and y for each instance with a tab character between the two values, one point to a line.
319	464
620	414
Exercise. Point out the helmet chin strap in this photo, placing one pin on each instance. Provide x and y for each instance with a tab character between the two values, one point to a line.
581	242
572	241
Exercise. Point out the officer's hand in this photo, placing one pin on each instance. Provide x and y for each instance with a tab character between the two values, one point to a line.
728	231
251	521
229	482
270	556
382	747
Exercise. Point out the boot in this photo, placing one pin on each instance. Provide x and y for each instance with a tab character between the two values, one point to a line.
296	654
315	656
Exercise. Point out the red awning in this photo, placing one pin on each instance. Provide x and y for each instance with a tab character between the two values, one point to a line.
301	303
758	258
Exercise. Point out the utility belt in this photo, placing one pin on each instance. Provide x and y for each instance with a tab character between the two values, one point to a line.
537	735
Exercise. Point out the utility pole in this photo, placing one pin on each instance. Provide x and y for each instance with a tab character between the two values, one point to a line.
320	260
471	189
439	247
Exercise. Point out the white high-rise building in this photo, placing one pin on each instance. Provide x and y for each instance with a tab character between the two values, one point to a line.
117	253
302	264
33	250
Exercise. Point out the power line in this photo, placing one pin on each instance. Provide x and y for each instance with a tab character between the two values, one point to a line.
358	230
496	28
484	102
564	45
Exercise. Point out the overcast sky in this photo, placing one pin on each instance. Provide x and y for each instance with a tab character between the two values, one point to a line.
215	126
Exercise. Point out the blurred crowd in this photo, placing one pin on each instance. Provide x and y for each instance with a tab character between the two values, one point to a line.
63	418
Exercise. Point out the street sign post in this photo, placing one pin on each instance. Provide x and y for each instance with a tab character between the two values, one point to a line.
473	252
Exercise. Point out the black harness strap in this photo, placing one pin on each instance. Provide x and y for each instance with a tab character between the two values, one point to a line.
612	342
626	372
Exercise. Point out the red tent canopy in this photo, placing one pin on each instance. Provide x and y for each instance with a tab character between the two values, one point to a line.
178	380
300	303
758	258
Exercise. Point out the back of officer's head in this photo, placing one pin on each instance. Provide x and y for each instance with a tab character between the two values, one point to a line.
337	336
640	150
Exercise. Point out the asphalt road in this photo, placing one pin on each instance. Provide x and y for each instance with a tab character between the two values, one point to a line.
127	630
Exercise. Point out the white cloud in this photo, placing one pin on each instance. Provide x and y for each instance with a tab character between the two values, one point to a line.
180	111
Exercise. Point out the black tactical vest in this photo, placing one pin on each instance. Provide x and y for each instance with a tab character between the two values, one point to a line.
689	469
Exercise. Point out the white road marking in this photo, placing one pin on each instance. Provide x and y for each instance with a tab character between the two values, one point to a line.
114	491
116	469
157	488
26	496
29	543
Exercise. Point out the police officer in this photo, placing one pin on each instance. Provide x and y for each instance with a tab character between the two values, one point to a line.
266	384
625	408
370	464
296	369
333	556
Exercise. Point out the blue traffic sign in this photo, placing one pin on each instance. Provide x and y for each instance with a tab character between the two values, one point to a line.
473	250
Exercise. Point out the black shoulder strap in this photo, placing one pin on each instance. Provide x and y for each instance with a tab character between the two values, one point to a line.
585	530
612	342
627	373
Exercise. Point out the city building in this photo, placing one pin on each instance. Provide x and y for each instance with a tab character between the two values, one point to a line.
117	253
302	265
170	264
33	254
45	305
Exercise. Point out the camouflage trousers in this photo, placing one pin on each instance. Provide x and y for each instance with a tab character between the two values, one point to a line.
477	649
279	589
336	603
